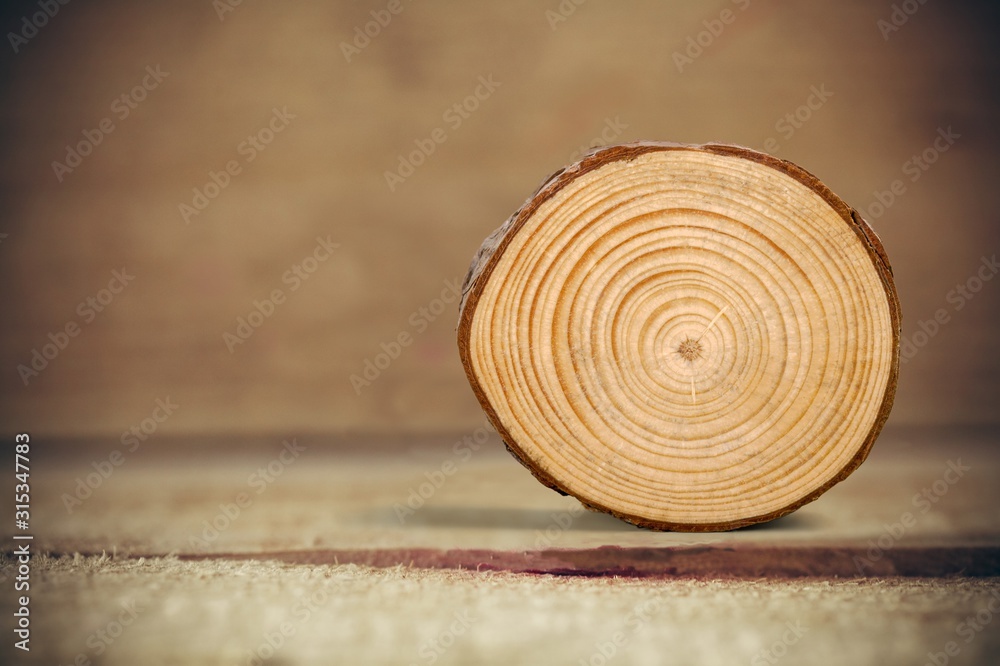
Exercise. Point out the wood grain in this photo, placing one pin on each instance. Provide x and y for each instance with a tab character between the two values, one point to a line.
688	337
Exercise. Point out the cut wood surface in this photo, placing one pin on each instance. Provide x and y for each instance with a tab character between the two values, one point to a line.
690	338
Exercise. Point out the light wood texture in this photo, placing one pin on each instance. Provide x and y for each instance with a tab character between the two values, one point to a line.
688	337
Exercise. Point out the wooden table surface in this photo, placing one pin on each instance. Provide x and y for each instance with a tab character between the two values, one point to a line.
923	504
204	552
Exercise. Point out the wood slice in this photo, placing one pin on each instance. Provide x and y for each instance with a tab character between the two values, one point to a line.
688	337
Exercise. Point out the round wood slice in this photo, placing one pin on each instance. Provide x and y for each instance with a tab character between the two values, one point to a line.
688	337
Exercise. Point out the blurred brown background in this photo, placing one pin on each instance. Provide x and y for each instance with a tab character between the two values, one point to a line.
564	76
